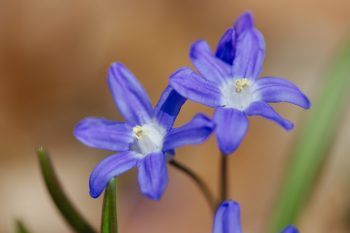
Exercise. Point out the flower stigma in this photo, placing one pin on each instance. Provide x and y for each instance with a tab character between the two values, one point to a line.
241	84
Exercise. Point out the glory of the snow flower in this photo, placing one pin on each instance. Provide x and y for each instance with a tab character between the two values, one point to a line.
228	82
144	140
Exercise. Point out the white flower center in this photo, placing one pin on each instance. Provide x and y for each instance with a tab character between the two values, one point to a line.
148	138
238	93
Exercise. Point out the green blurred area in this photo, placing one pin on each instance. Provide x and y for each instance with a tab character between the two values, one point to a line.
313	147
21	228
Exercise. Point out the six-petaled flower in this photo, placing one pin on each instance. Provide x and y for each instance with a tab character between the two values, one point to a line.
144	140
228	219
228	82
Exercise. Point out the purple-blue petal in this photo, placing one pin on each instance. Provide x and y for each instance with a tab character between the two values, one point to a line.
249	57
194	132
153	175
212	68
108	168
262	109
290	229
168	107
231	128
275	81
104	134
192	86
128	94
278	90
228	218
225	49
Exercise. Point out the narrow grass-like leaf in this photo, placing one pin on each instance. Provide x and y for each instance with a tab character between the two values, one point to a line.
313	145
21	228
64	205
109	222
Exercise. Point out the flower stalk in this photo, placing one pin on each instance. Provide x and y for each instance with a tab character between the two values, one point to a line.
223	178
209	197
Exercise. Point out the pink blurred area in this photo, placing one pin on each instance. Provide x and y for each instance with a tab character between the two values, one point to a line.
53	61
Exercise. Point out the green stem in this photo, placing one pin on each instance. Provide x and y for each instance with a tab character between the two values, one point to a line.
109	223
199	182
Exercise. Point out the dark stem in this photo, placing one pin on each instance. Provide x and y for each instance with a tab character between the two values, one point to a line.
200	183
223	178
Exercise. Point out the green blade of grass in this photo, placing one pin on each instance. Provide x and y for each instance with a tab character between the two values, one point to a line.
313	145
63	204
109	223
21	228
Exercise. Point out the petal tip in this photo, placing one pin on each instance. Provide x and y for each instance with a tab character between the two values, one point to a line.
114	68
197	46
181	71
76	131
289	127
230	203
153	196
116	64
244	22
308	103
290	229
227	150
117	70
80	129
93	193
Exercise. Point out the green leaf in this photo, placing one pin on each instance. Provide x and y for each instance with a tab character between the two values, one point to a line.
64	205
109	213
20	228
313	145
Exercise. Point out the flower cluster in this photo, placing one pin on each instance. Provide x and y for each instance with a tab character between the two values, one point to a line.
227	80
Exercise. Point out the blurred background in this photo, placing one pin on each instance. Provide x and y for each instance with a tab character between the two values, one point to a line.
53	61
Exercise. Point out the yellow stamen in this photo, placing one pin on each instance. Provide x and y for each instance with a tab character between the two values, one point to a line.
241	84
138	131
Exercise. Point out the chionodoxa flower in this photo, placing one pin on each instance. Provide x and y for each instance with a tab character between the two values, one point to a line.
144	139
228	219
228	82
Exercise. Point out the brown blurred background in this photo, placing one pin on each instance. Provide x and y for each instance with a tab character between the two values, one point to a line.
53	60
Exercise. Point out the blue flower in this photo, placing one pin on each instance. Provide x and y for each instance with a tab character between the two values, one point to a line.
228	83
144	140
228	219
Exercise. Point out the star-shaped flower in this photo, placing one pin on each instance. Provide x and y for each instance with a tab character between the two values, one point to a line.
228	82
228	219
144	139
